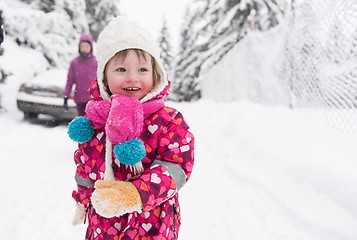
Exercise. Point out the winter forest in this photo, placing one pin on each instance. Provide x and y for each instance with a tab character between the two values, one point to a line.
269	88
210	30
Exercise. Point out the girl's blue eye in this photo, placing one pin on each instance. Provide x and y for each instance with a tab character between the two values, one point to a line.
121	69
143	70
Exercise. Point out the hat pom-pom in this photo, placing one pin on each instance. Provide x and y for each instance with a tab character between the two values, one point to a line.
130	152
80	130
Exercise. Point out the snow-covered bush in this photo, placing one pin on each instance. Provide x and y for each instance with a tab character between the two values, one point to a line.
53	33
53	27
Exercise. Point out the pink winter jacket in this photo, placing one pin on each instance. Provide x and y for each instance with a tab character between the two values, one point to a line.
168	164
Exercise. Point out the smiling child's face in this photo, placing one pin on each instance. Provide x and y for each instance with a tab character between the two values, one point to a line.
131	76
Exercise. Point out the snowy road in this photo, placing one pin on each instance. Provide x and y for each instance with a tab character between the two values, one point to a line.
261	173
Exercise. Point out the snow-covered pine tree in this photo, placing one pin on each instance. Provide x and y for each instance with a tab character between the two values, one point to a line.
76	12
264	14
232	19
221	25
188	60
99	13
165	47
46	5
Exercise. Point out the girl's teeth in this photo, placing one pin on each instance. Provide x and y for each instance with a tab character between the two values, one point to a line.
132	89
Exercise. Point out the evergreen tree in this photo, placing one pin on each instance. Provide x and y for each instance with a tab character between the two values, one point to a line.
166	49
230	20
76	13
46	5
27	1
265	14
218	25
99	13
190	56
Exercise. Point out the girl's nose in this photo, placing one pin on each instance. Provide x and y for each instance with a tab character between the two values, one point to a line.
131	76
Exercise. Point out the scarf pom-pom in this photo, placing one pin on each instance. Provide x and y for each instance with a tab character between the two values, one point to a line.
80	130
130	152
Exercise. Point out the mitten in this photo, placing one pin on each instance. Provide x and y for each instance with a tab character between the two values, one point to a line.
79	214
115	198
125	119
97	112
124	125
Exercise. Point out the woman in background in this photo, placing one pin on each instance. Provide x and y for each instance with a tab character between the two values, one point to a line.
82	72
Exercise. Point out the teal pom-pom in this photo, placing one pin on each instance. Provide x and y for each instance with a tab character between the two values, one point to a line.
80	129
130	152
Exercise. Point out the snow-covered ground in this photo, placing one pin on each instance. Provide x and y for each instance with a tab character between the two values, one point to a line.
261	173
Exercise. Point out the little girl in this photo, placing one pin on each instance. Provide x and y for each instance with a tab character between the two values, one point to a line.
134	153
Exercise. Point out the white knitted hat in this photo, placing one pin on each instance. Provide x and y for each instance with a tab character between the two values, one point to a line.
121	34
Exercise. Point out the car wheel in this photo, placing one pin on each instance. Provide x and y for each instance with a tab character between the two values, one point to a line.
30	115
